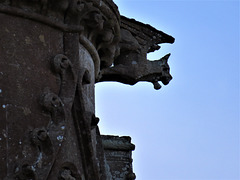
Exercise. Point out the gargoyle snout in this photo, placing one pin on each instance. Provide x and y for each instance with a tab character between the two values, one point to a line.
166	79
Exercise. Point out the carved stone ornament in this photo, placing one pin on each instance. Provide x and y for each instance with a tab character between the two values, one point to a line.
52	54
132	66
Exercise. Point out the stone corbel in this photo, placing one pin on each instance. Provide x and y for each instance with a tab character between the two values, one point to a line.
101	35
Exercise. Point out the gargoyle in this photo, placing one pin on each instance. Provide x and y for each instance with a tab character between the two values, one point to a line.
132	65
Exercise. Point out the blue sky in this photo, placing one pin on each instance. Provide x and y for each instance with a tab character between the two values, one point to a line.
189	129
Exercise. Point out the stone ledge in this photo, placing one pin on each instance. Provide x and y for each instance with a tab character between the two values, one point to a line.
122	143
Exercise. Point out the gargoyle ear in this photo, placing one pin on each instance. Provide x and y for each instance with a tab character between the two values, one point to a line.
165	58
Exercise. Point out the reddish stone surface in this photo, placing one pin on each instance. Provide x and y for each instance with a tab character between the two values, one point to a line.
26	50
51	55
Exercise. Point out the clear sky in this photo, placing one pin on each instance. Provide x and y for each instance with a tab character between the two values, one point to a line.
189	129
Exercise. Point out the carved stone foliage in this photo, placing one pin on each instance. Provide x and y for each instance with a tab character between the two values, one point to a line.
42	144
110	39
97	21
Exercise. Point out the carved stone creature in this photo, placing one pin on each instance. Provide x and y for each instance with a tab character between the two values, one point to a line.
132	66
151	71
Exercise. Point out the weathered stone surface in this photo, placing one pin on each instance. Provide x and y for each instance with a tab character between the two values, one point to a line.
132	66
52	54
26	50
118	152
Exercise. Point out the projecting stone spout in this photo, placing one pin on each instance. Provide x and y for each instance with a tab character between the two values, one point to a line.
131	66
145	70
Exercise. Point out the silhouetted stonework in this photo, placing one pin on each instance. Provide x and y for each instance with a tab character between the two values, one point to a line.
52	54
118	153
